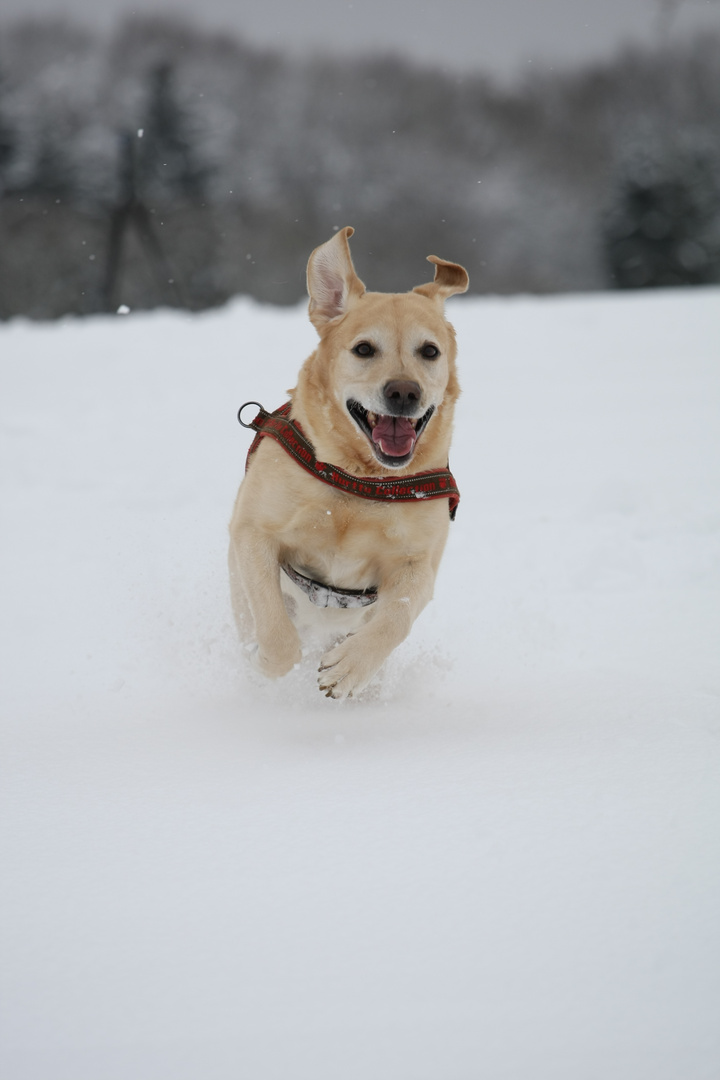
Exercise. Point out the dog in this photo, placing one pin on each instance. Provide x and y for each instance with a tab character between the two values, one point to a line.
375	401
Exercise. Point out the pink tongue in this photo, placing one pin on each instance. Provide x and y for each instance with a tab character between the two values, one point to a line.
395	435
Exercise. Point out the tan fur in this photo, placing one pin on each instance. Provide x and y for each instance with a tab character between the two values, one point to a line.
283	514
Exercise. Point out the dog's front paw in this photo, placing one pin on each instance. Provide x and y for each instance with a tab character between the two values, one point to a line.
279	658
347	668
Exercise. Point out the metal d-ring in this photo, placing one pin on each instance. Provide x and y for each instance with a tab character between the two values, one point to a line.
240	419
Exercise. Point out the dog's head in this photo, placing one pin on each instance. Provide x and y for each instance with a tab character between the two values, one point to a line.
379	389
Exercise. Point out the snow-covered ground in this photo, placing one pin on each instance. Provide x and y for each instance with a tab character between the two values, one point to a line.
504	862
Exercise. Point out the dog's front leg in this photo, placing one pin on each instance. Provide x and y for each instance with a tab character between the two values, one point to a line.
347	668
255	557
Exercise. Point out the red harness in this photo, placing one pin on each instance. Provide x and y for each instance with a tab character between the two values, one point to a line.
433	484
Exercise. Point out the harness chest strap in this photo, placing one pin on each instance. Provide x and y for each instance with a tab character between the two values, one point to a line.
433	484
322	595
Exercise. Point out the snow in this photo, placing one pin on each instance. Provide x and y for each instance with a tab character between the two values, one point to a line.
503	862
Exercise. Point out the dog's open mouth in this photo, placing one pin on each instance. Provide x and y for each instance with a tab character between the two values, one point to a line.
393	438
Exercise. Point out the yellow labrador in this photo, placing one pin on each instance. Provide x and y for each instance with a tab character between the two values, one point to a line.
332	524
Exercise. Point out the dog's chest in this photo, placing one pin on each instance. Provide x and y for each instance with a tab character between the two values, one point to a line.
336	538
346	542
337	544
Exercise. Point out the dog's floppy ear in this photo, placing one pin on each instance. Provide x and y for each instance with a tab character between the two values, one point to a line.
450	278
332	283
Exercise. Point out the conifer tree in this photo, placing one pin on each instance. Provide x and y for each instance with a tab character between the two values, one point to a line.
168	167
663	227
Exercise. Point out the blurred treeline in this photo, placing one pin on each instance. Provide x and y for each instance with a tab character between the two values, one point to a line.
168	166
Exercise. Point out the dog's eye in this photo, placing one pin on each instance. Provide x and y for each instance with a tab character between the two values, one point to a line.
429	352
364	349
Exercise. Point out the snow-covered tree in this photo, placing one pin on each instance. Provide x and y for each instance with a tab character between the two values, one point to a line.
247	159
663	227
167	164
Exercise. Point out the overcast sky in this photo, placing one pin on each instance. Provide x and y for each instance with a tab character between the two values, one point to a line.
501	37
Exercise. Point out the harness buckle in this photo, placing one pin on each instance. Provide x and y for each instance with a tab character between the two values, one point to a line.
239	415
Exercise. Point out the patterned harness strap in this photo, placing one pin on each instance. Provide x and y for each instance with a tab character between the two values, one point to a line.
433	484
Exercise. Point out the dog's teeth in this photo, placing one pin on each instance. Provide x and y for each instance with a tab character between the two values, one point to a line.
372	419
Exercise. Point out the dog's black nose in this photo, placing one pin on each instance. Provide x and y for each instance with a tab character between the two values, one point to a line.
402	396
